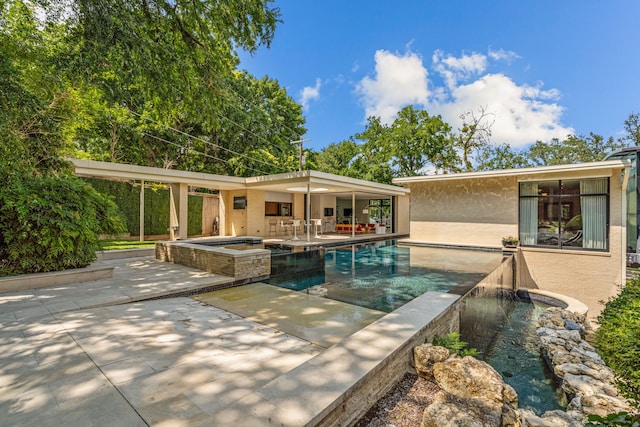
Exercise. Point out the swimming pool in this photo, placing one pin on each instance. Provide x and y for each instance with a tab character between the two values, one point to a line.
382	275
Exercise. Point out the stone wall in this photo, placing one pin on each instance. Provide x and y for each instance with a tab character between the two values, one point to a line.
354	403
242	265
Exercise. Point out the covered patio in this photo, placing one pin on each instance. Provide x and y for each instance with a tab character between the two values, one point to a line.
296	206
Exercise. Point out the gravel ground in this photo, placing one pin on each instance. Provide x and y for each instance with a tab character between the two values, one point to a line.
403	405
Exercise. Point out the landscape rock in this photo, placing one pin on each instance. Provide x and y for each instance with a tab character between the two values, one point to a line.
598	404
473	394
548	419
425	356
584	376
449	410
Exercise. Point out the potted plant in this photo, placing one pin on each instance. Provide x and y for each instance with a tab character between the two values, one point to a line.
510	241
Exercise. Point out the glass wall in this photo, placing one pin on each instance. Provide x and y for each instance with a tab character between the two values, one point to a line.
633	201
571	214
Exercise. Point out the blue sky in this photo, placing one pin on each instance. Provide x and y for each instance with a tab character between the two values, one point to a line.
542	69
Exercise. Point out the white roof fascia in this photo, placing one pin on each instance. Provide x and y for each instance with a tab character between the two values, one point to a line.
333	183
588	168
92	168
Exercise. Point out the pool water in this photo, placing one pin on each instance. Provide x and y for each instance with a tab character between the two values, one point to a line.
501	325
384	275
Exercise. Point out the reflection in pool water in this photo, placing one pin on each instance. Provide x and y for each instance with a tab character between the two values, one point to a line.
382	275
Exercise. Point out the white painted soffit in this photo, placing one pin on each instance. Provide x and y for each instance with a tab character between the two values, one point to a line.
588	169
107	170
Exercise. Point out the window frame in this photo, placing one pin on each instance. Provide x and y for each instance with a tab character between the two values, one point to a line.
560	205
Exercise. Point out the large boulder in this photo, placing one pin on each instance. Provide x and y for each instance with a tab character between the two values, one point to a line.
473	394
425	356
448	410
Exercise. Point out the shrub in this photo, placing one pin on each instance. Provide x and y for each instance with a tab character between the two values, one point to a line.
51	224
618	339
455	345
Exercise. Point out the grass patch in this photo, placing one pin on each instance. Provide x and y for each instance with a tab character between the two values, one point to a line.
112	245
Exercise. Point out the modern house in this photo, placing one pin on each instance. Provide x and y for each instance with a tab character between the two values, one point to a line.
571	221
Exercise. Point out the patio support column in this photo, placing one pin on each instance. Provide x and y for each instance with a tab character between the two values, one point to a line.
178	211
353	211
308	216
142	210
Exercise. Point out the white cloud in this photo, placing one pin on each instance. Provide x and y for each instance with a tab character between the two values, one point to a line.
309	93
523	113
503	55
453	69
399	80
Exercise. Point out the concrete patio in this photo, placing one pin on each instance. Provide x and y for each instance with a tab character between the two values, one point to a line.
94	353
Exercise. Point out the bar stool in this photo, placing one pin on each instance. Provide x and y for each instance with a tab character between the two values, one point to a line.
318	226
273	227
295	224
284	226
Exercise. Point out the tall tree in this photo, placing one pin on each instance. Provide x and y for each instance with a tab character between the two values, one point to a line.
632	127
495	157
337	158
417	141
573	149
475	133
137	80
373	161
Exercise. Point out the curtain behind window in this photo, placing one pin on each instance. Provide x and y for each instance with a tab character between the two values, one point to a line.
528	213
593	204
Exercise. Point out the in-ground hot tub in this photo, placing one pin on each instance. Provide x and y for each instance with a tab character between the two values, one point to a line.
243	258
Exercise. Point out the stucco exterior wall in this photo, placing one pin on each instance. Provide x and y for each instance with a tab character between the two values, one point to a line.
402	214
256	223
470	212
236	219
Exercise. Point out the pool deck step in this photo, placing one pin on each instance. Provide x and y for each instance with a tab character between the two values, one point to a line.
103	283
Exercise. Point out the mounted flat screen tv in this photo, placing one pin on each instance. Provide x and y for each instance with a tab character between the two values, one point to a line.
347	211
239	202
328	211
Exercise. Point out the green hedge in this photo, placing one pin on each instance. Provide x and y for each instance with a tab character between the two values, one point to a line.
52	224
618	338
156	207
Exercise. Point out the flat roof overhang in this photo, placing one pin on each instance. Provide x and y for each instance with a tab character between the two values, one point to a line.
291	182
107	170
591	169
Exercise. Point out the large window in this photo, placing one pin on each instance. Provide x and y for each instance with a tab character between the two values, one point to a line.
277	208
380	210
565	213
